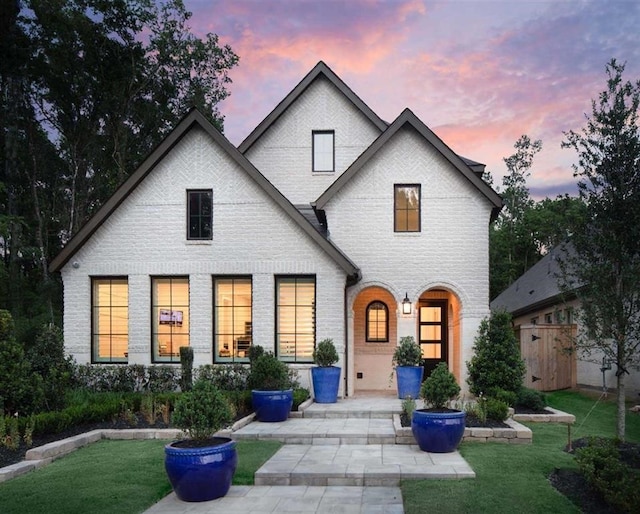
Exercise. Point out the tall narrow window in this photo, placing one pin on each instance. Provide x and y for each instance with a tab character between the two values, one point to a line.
199	215
406	208
110	319
295	318
377	323
232	319
170	312
323	150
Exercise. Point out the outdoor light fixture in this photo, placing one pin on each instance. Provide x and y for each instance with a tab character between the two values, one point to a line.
406	304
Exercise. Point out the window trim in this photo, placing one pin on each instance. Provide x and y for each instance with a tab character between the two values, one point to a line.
95	360
395	209
277	278
369	339
313	150
154	359
190	237
233	359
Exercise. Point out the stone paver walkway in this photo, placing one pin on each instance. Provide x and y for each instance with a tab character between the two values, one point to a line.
338	458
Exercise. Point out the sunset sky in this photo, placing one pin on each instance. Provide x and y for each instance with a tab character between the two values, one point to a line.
479	73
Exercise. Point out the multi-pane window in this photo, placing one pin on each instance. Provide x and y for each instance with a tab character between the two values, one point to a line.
199	215
323	150
232	318
406	203
110	319
295	318
170	317
377	323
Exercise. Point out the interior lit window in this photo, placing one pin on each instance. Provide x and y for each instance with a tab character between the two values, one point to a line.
170	311
323	150
377	320
200	210
295	318
110	319
232	319
406	208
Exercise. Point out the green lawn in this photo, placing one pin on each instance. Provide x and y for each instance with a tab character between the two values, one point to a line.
111	476
513	478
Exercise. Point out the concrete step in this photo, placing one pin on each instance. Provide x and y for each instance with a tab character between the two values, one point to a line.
377	465
371	408
322	431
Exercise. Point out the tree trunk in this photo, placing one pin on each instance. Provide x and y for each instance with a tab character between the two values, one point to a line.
620	401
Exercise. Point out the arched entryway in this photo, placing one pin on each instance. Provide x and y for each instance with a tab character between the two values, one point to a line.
375	335
438	329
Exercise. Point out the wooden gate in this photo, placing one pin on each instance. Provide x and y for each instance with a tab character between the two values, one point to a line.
549	356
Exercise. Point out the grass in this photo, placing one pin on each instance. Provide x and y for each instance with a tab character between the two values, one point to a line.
111	476
514	477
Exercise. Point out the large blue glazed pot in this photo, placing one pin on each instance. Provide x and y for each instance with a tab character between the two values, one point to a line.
272	406
438	432
326	381
201	474
409	380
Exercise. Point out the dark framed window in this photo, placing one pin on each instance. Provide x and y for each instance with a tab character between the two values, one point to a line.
295	318
323	151
377	330
170	317
109	319
232	327
406	207
199	214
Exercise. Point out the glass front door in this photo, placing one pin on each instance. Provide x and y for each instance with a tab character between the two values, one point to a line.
433	333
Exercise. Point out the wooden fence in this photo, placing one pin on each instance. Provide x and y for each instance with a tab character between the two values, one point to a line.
548	353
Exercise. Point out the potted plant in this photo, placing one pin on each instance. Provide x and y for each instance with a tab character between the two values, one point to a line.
406	363
325	377
201	466
271	392
437	428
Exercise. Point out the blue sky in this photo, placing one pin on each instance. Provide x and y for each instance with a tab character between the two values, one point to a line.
479	73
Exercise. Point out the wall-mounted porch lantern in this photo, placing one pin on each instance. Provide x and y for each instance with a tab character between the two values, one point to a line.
406	304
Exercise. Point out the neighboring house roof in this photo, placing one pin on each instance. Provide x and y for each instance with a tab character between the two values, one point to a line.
408	118
320	69
195	118
536	288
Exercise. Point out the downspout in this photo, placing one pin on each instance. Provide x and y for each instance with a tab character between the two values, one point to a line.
346	342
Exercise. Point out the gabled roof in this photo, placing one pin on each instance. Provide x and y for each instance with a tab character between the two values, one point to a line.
320	69
192	119
536	288
408	118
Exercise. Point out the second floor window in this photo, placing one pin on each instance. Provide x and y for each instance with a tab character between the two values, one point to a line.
199	214
323	150
406	205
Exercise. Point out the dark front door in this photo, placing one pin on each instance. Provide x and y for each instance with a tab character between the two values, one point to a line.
433	333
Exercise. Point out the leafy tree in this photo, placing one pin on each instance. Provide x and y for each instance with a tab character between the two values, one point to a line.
512	247
552	222
603	268
496	365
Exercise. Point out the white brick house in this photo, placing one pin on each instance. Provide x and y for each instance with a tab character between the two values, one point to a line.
326	222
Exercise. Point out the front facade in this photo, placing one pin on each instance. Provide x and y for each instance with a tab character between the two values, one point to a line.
326	222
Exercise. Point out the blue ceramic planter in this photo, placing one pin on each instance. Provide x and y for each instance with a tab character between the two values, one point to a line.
272	406
409	380
438	432
201	474
326	381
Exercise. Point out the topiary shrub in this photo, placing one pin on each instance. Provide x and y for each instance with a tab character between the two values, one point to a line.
496	364
201	412
186	365
497	410
268	374
407	353
440	387
325	354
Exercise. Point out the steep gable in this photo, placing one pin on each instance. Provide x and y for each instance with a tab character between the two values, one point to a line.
195	120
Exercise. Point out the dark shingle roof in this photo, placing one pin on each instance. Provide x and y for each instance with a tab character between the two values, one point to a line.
536	288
